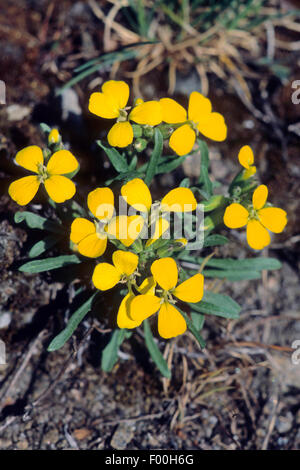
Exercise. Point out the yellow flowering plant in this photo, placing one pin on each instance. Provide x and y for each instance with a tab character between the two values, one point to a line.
149	254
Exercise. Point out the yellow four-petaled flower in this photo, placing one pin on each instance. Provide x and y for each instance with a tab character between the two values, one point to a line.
59	187
257	218
111	103
171	323
199	118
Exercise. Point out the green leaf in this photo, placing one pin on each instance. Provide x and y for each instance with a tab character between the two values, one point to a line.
204	179
36	221
170	165
155	352
48	264
215	240
193	329
45	128
41	246
155	156
217	304
185	183
110	352
214	219
73	322
255	264
215	201
117	160
230	275
198	320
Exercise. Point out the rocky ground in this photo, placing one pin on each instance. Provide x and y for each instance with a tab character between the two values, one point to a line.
242	391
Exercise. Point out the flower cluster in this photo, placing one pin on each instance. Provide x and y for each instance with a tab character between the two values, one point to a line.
91	237
141	230
111	103
141	302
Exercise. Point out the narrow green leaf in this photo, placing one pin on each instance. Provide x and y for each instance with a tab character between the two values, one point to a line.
41	246
215	240
117	160
170	165
230	275
215	201
48	264
36	221
73	322
217	304
155	352
204	179
110	352
155	156
255	264
193	329
198	320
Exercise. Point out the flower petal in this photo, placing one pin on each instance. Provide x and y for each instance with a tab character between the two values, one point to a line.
125	261
126	229
246	157
257	236
104	106
190	290
161	226
182	140
235	216
60	188
250	172
137	194
260	196
105	276
61	163
147	286
213	126
24	189
165	273
93	245
54	136
124	319
101	203
149	113
172	112
170	321
81	228
30	158
273	218
119	90
179	200
199	106
120	135
143	306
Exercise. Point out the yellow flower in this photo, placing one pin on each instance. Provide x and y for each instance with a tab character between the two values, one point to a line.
59	187
124	319
91	237
111	103
246	159
170	321
258	219
54	136
199	118
107	275
137	194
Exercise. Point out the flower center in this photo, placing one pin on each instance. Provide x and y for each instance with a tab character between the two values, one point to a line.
253	214
42	173
123	114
